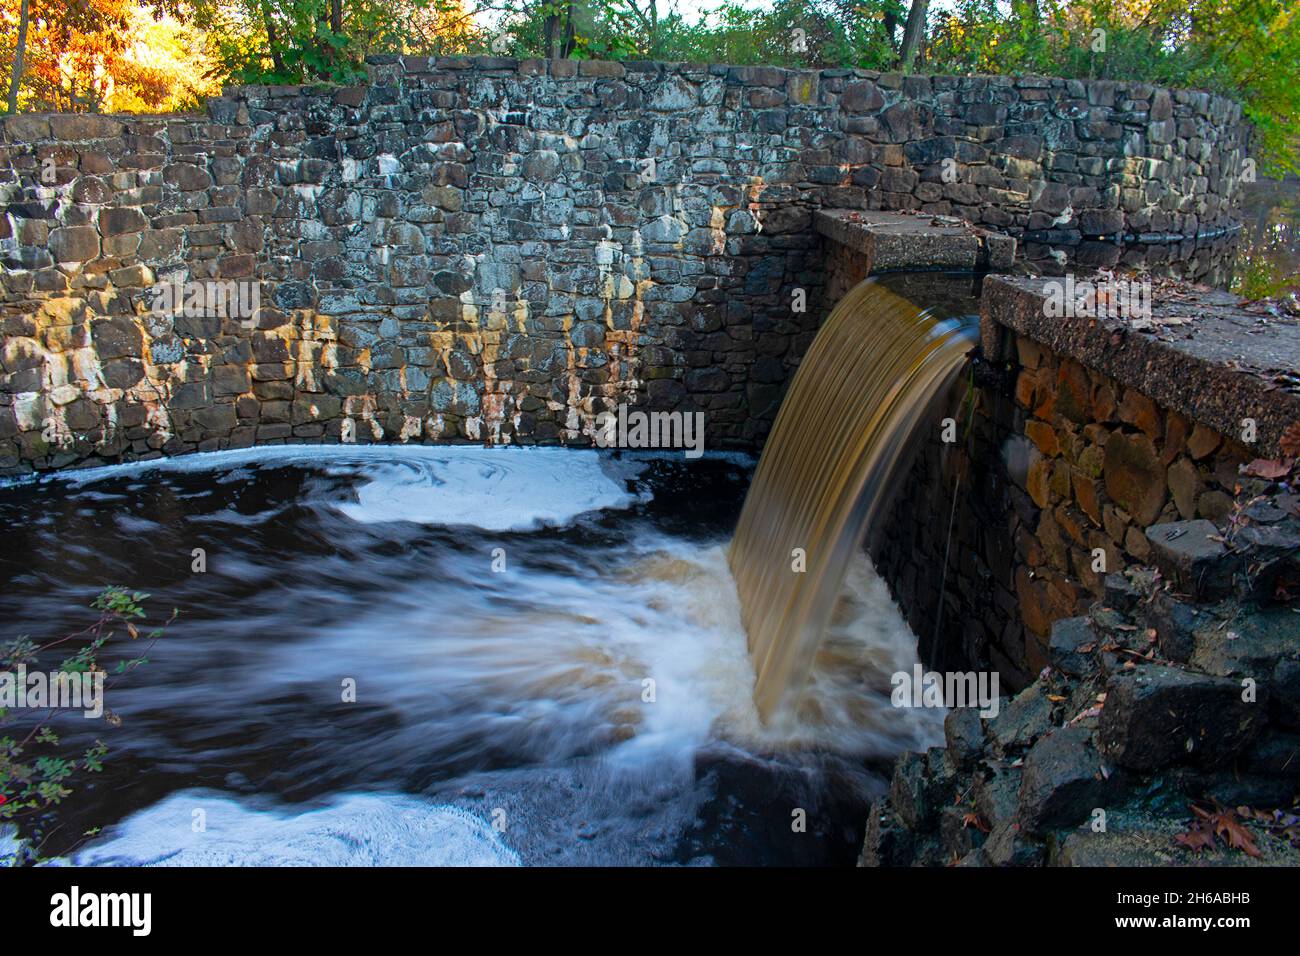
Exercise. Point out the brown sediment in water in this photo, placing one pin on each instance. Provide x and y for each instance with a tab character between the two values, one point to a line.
869	376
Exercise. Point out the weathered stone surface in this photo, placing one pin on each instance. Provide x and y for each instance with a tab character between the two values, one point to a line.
1135	478
920	785
1155	716
186	176
1175	372
891	241
963	733
75	127
1062	780
74	243
117	338
886	844
1246	646
1067	637
1021	721
1193	555
1009	845
557	214
119	220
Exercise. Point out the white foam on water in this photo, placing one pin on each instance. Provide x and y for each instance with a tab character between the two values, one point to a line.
549	661
497	489
487	489
356	830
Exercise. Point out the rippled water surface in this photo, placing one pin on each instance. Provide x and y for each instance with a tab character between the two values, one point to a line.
545	644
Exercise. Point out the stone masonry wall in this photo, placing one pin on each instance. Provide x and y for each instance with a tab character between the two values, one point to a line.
497	250
1063	462
1073	461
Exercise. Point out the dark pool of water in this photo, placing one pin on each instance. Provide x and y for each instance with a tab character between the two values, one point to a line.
515	692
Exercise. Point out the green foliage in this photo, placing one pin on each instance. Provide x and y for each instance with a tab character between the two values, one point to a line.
36	772
1246	49
304	41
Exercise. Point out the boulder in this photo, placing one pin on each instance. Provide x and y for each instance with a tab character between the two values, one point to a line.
963	733
1062	781
1021	721
997	792
920	787
1193	555
1068	635
1008	845
1155	716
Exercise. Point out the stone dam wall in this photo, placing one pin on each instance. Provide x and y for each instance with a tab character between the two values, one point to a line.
1080	443
497	250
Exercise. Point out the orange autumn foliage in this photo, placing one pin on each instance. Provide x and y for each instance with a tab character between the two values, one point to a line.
103	56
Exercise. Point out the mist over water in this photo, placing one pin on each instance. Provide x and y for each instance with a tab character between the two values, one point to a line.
518	695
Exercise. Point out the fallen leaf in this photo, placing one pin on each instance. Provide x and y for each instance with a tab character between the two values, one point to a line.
1220	822
1196	839
1239	838
1269	468
1290	441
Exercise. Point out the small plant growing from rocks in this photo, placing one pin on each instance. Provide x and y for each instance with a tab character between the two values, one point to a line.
37	771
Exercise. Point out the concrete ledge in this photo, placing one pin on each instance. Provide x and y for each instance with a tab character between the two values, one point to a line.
892	241
1206	357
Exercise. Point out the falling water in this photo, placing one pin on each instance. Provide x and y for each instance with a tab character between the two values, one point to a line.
870	374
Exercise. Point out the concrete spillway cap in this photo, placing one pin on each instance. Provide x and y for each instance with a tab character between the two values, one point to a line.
896	241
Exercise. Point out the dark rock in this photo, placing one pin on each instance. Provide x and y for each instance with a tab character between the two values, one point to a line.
920	787
117	338
958	836
116	221
862	96
1269	550
1284	701
1275	754
1021	721
1068	635
1155	716
1062	780
963	733
1174	622
1008	845
74	243
123	373
1121	594
997	792
1192	554
886	843
1249	645
186	176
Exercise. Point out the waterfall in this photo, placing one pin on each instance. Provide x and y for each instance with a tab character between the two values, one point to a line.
834	451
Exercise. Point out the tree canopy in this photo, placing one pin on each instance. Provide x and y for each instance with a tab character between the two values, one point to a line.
152	55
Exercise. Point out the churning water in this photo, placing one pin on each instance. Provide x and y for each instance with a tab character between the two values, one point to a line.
865	386
546	645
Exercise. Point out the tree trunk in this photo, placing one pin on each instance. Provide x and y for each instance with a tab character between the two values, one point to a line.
20	49
272	40
913	34
559	36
